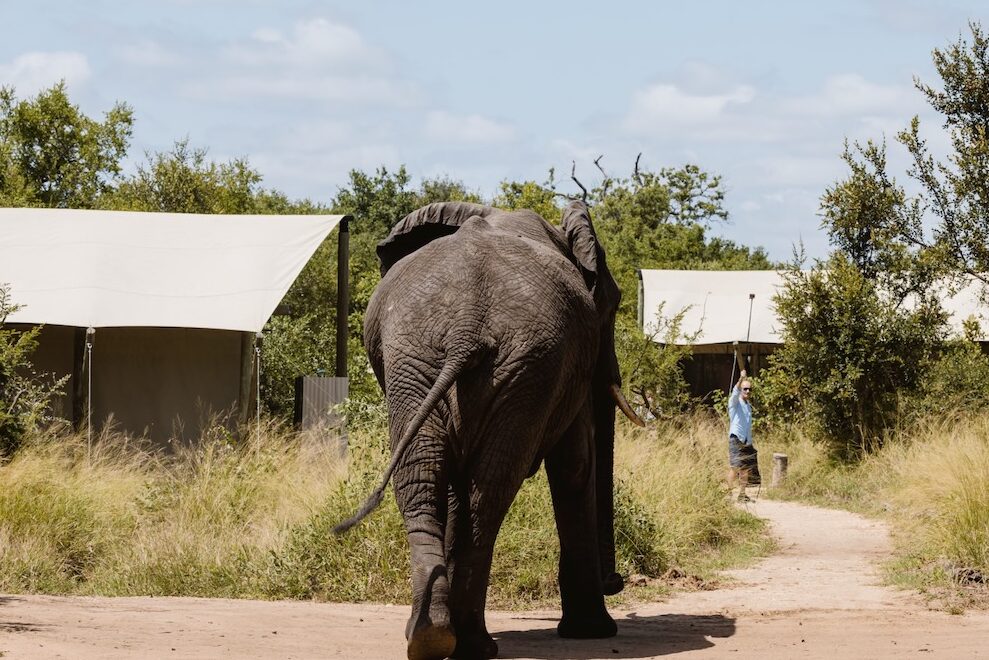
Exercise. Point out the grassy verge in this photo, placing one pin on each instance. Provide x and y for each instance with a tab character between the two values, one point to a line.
931	483
252	518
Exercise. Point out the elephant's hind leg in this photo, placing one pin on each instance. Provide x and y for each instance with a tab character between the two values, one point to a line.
421	491
496	477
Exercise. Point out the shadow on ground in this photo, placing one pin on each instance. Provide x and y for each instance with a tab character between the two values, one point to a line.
19	627
638	637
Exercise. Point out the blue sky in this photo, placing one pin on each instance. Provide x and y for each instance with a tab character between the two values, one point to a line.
762	93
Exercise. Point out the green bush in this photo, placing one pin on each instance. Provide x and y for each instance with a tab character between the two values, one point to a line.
652	364
956	382
850	347
25	395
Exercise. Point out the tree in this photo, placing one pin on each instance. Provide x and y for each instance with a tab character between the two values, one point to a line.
651	364
55	156
956	190
183	180
661	220
864	325
863	215
541	198
848	350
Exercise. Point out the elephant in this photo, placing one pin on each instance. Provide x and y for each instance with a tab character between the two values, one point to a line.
491	335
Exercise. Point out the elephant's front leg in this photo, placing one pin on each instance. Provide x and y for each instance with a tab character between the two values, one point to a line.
570	467
421	491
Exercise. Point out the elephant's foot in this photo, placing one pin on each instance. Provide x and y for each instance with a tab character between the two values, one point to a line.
473	640
432	642
587	627
475	646
612	584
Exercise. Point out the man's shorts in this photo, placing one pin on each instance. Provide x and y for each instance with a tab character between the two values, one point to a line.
744	457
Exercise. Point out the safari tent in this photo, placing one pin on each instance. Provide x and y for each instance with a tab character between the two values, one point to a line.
718	305
153	316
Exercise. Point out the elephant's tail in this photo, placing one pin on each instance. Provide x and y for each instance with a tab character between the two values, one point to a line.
448	375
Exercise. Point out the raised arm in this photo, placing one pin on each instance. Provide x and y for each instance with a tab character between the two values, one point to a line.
736	390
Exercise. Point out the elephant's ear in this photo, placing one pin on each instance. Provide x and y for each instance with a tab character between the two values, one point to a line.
576	224
424	225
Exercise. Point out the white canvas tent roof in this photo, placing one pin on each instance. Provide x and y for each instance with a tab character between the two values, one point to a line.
126	269
717	303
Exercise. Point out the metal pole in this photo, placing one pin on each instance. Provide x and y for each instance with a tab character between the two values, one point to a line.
734	360
257	394
90	335
748	332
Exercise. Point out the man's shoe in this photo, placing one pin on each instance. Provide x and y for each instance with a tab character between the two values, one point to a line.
742	497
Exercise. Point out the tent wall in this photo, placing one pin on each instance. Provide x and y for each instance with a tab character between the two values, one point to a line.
159	382
169	382
708	369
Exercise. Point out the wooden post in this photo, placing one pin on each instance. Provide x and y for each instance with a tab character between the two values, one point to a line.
343	294
780	462
78	378
246	394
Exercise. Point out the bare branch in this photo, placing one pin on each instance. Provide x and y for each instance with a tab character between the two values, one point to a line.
635	172
573	175
607	179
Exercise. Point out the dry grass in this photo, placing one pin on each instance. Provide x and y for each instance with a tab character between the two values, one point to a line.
931	482
252	518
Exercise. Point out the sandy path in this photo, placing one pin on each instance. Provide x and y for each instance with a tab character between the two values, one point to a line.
817	598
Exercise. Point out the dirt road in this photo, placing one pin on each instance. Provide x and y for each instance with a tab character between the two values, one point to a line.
817	598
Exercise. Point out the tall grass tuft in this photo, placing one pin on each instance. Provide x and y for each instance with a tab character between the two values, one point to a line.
675	472
63	507
941	482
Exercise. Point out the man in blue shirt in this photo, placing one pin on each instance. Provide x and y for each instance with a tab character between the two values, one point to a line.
742	456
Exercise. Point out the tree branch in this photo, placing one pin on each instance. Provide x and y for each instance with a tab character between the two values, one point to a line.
573	175
607	179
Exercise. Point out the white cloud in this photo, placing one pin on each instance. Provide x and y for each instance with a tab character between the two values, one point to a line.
783	169
317	44
471	129
31	72
665	104
847	95
316	59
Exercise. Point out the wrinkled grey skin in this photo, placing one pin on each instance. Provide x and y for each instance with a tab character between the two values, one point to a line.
492	336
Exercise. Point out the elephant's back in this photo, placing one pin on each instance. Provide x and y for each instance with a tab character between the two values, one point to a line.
518	295
520	307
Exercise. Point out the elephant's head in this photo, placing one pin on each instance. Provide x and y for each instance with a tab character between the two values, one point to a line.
606	383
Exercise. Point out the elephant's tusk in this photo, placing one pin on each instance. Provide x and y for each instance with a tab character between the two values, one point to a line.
616	394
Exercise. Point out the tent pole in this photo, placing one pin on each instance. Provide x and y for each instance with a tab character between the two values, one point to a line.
90	336
343	294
